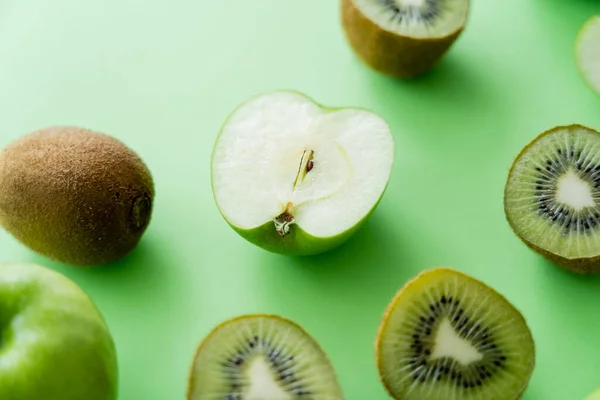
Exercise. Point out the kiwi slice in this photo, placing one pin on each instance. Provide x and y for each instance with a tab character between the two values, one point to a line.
446	335
403	38
261	357
552	197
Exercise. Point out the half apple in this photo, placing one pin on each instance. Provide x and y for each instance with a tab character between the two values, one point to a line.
298	178
587	53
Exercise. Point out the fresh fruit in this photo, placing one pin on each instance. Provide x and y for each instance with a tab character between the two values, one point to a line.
295	177
75	196
552	197
446	335
403	38
587	53
261	357
594	395
54	343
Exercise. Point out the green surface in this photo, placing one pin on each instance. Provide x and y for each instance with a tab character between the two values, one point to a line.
164	77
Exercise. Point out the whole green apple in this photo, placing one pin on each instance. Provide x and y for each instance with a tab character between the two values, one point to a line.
54	343
296	177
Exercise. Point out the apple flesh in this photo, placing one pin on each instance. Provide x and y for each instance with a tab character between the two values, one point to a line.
54	343
587	53
298	178
595	395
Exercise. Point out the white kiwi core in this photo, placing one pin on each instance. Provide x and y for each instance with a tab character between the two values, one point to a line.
448	343
416	18
414	3
588	52
574	192
281	158
262	383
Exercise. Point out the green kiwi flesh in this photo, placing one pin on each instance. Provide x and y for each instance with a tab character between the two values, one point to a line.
403	38
447	336
76	196
552	197
261	357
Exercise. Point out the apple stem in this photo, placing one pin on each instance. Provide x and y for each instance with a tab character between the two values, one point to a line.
284	220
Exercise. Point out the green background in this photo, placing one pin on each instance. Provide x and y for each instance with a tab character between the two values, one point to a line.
163	75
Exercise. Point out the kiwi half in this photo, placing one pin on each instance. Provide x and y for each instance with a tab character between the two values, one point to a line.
74	195
403	38
446	335
261	357
552	197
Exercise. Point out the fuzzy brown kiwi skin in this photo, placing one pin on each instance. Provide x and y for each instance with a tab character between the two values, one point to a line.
216	329
388	52
75	196
390	308
581	266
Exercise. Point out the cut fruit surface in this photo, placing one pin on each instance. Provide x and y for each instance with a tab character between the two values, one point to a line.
552	196
416	18
446	335
587	52
594	395
261	357
283	161
403	38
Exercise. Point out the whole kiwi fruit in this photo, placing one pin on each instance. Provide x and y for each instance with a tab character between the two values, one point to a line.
74	195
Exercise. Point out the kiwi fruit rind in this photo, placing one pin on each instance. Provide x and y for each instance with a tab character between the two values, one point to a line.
552	197
261	356
403	38
446	335
74	195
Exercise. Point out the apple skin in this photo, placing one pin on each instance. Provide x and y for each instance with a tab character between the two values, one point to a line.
54	343
298	242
